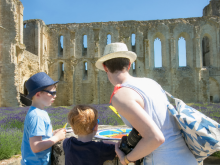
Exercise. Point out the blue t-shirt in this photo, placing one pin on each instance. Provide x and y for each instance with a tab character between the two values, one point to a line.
37	123
87	153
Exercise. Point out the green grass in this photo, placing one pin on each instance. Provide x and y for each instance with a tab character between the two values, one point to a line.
10	143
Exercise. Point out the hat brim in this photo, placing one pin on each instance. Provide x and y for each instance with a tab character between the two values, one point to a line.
32	93
122	54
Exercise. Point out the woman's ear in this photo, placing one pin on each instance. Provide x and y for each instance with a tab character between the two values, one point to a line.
129	66
105	68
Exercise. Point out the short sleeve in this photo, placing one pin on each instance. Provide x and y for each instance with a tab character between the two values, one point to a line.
37	127
108	152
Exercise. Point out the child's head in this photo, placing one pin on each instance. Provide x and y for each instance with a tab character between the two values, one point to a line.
83	119
41	89
46	96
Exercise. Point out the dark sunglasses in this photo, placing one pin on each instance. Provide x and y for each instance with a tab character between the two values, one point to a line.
53	93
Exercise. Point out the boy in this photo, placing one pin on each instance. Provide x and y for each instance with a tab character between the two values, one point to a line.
37	137
83	151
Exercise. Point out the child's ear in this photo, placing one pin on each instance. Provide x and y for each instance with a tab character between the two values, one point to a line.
37	94
96	127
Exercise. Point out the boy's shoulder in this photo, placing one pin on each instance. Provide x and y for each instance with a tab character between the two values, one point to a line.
35	113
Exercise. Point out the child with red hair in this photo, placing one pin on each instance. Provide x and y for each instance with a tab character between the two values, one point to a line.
83	151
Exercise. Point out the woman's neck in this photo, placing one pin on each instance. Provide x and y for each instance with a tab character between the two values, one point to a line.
121	77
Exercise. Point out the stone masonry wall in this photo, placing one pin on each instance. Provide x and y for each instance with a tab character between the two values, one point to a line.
28	47
190	83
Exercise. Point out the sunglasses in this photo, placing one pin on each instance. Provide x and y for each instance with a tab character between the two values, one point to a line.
53	93
97	123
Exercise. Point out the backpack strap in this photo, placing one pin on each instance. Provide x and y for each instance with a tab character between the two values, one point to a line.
116	88
169	94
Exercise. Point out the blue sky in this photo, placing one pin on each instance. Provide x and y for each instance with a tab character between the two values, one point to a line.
83	11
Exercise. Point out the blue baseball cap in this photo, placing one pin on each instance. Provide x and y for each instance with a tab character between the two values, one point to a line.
37	83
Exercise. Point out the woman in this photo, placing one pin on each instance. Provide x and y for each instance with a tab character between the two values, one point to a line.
142	104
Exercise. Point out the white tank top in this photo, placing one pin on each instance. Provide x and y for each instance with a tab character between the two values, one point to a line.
155	104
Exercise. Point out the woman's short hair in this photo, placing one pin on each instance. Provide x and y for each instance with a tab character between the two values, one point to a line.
82	119
117	64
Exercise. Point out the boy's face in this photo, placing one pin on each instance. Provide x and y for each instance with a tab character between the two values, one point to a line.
46	98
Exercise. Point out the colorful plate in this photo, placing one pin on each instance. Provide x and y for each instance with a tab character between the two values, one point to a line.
112	134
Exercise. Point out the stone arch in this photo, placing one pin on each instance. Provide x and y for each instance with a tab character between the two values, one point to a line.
84	89
109	40
25	89
214	90
103	37
160	31
187	38
60	45
60	69
209	32
84	44
187	32
206	50
161	37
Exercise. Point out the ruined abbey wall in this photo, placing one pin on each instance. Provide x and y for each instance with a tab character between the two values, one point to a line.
190	83
31	47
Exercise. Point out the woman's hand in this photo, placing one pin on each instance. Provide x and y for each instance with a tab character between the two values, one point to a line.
120	154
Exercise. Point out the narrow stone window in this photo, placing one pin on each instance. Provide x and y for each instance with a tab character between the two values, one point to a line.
211	99
61	71
134	68
205	51
25	25
182	51
157	53
85	75
109	40
133	42
84	45
60	46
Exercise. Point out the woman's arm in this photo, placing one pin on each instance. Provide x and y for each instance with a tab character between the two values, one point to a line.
130	105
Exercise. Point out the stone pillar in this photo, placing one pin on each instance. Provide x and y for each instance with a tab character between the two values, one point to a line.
198	52
20	22
173	68
37	38
204	85
173	53
147	53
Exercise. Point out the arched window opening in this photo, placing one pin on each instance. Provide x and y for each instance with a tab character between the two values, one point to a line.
134	68
85	75
25	89
61	71
25	25
182	51
211	99
84	45
109	39
157	53
60	45
133	42
205	51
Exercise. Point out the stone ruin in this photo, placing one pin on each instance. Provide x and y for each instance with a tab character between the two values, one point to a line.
28	47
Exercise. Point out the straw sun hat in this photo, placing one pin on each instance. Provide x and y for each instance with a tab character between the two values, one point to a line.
115	50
